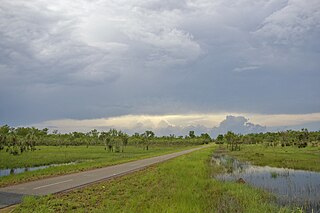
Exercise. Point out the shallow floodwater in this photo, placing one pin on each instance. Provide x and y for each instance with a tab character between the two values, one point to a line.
6	172
291	187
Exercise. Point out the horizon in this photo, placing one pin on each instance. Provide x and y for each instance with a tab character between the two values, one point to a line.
237	124
160	65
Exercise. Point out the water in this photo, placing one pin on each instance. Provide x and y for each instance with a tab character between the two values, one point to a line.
295	188
6	172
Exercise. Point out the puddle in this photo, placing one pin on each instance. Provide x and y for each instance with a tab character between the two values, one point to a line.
295	188
6	172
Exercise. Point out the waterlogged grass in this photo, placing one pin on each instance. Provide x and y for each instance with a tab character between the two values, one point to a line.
183	184
87	158
287	157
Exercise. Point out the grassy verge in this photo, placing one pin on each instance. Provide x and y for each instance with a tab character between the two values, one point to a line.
88	158
183	184
288	157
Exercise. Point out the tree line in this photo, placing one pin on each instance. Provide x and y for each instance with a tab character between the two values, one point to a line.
299	139
22	139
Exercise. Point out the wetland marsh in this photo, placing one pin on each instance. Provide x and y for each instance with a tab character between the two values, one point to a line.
294	188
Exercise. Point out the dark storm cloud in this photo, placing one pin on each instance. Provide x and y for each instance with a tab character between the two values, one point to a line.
91	59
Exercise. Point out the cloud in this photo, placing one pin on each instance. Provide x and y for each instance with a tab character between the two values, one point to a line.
294	25
92	59
241	69
285	119
239	125
181	124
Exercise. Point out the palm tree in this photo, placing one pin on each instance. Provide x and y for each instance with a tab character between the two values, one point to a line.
146	138
231	139
124	138
31	140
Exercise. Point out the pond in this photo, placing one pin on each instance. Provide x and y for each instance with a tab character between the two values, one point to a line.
296	188
6	172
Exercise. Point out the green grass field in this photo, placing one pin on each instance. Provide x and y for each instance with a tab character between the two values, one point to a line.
288	157
88	158
183	184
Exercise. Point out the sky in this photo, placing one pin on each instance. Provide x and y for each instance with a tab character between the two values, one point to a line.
170	66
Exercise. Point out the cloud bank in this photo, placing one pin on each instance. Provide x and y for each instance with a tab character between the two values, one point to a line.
94	59
213	124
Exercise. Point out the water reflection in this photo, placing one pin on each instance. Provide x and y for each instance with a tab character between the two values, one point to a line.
292	187
12	171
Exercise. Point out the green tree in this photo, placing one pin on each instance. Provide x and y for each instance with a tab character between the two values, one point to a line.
303	138
4	132
232	139
191	134
13	144
206	138
125	139
31	140
146	137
